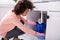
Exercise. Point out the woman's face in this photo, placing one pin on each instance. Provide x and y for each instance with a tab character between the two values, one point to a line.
26	12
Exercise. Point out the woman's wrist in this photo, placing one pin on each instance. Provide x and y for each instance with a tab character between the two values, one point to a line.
36	33
39	34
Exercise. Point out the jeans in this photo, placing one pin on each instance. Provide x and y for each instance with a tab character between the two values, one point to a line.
14	33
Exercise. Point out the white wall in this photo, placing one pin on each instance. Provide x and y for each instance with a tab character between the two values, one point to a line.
7	2
4	9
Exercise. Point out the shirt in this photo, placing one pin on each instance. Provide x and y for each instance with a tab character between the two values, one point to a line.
10	20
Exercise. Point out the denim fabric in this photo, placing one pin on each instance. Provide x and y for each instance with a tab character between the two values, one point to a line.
14	33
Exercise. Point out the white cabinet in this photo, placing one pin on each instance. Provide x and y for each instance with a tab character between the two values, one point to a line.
53	26
53	23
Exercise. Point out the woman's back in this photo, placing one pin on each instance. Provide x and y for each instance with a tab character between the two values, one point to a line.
6	22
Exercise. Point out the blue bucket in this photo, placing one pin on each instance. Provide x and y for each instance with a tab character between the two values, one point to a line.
40	27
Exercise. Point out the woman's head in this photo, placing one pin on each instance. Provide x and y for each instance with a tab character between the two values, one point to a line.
21	8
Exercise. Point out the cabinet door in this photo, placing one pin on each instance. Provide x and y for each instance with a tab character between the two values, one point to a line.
53	26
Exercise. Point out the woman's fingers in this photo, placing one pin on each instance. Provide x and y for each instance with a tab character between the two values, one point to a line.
40	34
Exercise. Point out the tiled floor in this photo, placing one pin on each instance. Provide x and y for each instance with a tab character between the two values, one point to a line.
25	37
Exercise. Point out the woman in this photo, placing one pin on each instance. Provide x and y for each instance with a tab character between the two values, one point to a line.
13	18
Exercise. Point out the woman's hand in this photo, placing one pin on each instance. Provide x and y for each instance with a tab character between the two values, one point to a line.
40	34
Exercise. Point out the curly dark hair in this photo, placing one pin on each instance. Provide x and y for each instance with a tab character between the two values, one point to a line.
20	7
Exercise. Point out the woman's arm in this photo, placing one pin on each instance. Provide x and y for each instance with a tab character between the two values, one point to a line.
28	21
25	29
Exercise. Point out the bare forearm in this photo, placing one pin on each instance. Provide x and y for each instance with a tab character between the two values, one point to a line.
24	28
30	22
27	30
